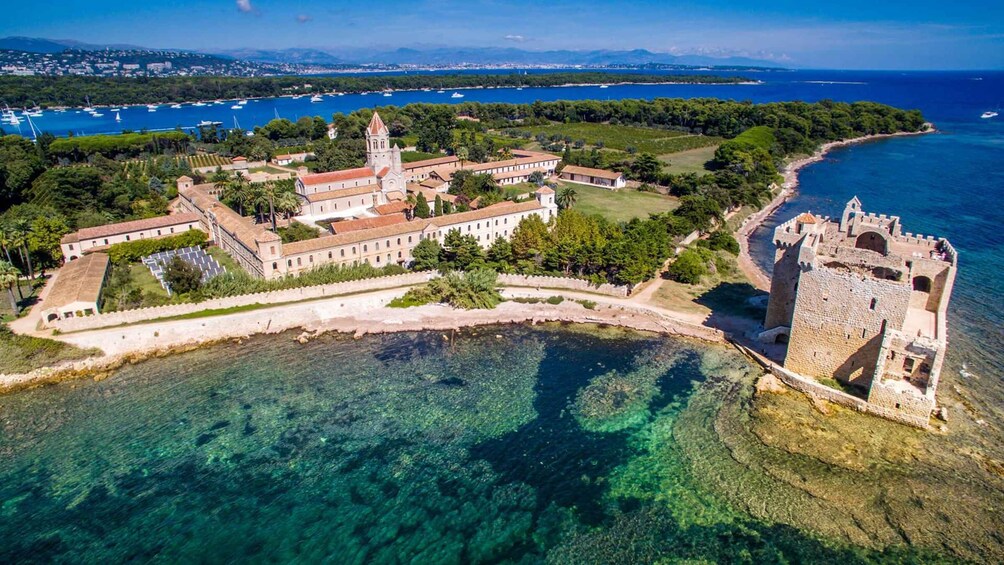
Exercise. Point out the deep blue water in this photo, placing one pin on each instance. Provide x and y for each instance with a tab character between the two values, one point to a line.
941	95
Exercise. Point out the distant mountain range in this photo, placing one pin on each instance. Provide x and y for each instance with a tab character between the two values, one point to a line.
433	56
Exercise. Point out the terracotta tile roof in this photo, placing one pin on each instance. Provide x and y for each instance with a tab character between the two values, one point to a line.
280	157
432	182
185	178
395	195
129	227
590	172
392	208
412	227
335	176
78	281
239	159
367	223
383	172
513	174
806	218
376	124
242	228
430	195
544	190
343	193
431	162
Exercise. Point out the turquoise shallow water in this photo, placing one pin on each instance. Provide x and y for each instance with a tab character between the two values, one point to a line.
510	445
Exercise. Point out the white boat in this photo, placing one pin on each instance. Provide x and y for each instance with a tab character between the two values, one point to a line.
114	109
388	94
199	104
440	92
604	86
456	95
151	109
175	106
316	98
241	102
152	106
88	109
237	107
341	94
205	123
97	114
118	118
987	115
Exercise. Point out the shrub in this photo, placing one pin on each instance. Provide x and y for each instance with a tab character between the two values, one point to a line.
555	300
690	266
132	251
475	289
587	304
181	276
724	241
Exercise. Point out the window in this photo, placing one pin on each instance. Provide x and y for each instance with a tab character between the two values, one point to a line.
127	238
329	254
289	262
365	248
908	364
863	330
299	261
342	253
353	249
377	246
172	230
71	247
271	249
409	238
399	241
874	302
275	266
158	232
310	259
378	258
388	243
398	254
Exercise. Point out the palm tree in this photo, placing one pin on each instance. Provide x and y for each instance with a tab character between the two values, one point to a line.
287	203
220	179
238	191
9	276
567	198
463	154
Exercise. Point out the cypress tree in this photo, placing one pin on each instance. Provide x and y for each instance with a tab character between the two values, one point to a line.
438	207
421	206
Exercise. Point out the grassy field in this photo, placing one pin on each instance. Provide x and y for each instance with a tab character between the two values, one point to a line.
23	353
621	205
645	140
725	293
412	156
144	280
689	161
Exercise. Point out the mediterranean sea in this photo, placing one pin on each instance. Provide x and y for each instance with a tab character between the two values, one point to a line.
553	444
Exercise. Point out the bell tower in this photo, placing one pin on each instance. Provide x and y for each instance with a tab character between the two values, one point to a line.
379	153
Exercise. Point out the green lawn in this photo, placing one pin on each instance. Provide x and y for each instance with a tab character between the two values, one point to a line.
621	205
412	156
645	140
144	280
689	161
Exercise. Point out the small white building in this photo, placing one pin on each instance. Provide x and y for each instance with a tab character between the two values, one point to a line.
76	290
595	177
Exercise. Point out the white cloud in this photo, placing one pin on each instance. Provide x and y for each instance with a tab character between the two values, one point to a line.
516	38
244	6
303	18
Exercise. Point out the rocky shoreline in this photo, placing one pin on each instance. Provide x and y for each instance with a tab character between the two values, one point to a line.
356	316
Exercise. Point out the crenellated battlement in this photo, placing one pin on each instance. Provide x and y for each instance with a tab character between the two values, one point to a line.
860	301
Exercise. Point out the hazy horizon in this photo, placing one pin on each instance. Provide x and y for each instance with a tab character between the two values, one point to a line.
896	35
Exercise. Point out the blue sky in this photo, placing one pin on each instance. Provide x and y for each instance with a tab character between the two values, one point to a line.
856	34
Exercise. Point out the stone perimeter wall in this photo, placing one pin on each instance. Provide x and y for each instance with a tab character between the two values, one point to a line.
816	389
564	283
321	291
273	297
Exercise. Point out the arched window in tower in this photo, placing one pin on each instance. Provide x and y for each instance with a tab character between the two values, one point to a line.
383	144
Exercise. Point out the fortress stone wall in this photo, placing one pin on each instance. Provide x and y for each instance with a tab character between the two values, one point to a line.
859	301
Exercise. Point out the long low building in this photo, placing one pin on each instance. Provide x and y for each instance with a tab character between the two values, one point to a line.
99	238
595	177
77	289
262	253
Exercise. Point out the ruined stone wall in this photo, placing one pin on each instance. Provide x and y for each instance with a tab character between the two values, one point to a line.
904	402
835	332
783	283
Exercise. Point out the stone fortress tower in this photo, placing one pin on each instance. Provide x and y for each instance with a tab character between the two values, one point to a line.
382	158
862	302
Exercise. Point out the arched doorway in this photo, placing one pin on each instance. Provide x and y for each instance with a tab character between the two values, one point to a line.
52	317
872	241
921	284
